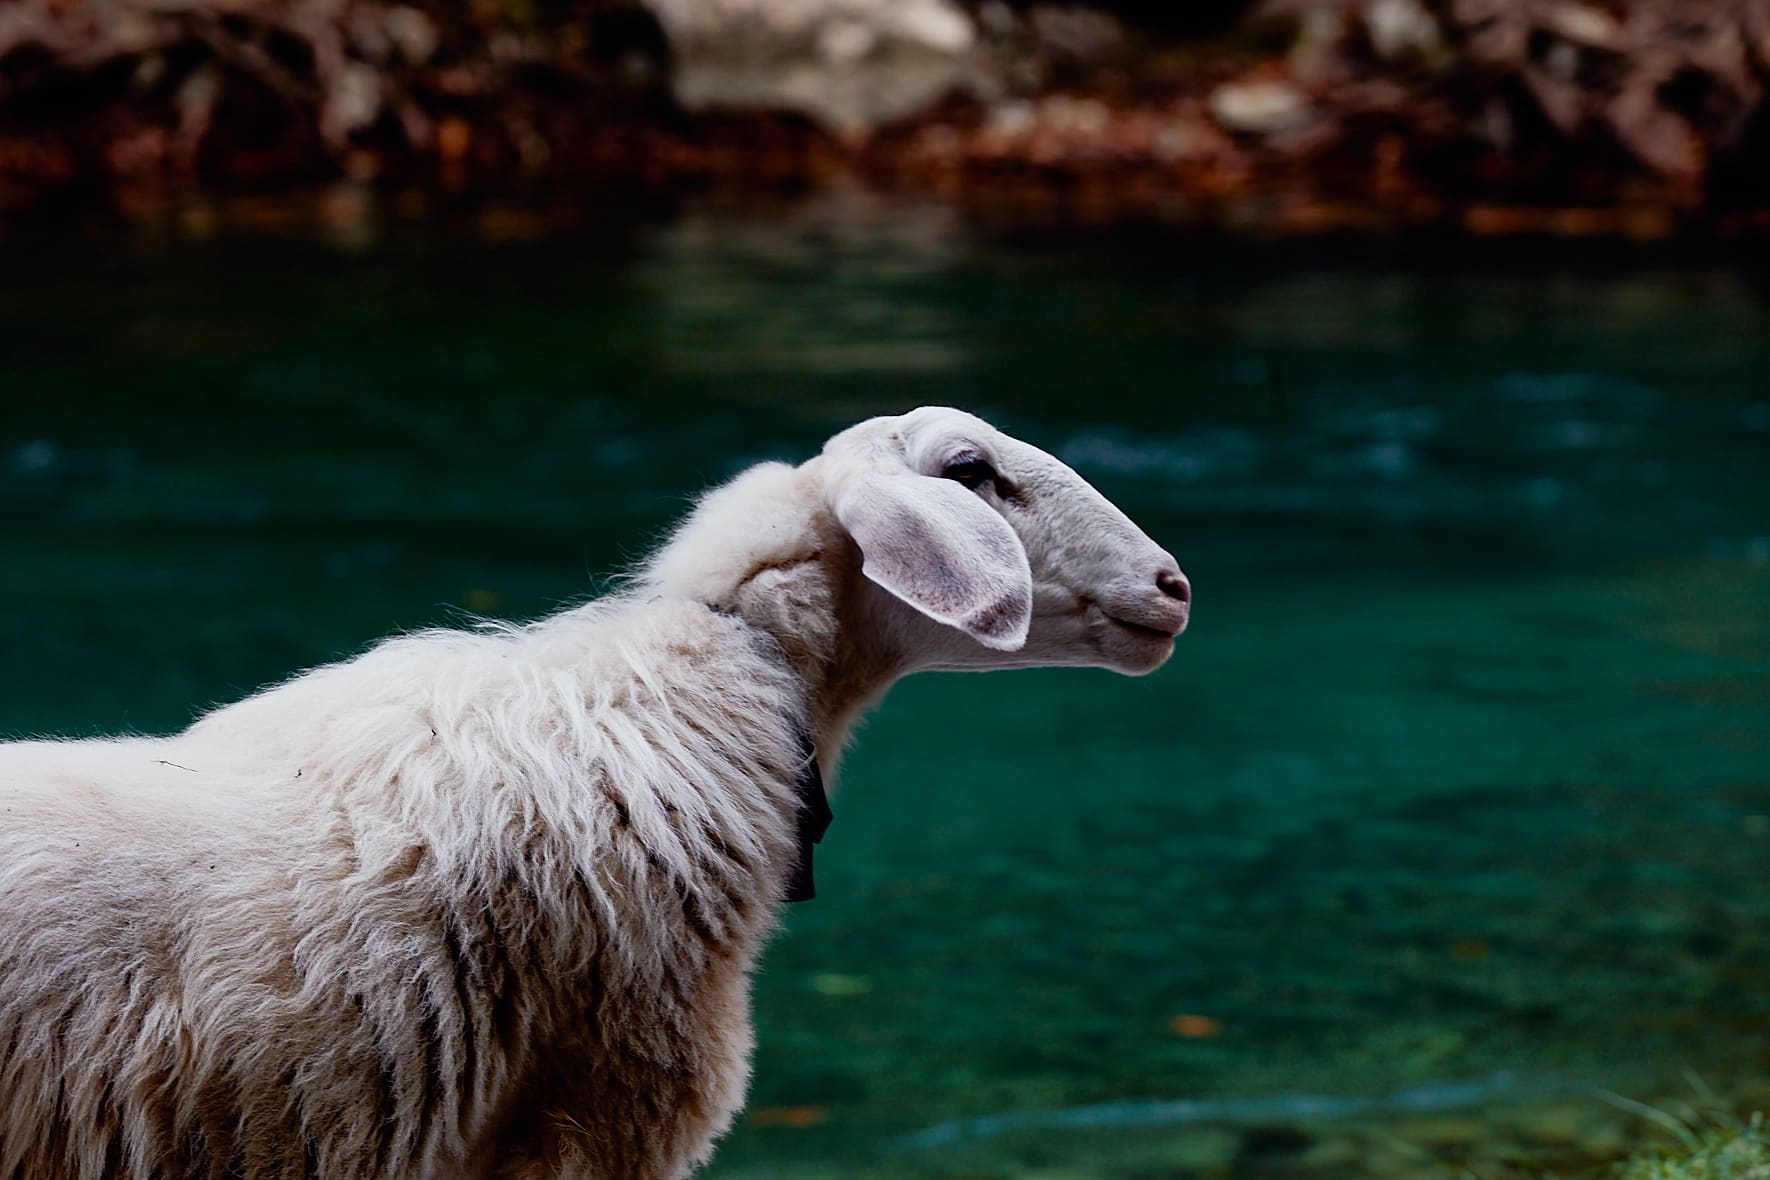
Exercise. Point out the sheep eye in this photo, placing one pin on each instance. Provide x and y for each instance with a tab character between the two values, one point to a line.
973	471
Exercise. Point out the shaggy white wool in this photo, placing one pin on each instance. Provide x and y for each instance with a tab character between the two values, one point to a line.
484	903
350	912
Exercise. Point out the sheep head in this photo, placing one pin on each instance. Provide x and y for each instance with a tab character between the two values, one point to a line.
991	553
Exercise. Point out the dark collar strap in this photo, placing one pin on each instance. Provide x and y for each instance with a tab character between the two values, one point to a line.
814	804
813	821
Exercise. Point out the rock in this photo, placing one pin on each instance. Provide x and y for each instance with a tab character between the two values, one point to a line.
1584	26
352	101
849	64
1318	53
1084	36
1259	107
1074	117
1011	119
1401	28
413	33
1180	141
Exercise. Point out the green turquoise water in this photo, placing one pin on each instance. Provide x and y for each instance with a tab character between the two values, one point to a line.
1460	779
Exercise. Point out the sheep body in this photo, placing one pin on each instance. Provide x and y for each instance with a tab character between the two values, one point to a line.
484	904
357	909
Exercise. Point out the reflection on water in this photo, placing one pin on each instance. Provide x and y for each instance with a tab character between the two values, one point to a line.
1453	804
747	297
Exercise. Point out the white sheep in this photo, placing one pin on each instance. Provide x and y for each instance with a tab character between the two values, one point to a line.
484	904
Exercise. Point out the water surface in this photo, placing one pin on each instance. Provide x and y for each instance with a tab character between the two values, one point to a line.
1460	779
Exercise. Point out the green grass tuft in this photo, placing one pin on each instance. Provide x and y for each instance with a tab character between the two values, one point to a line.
1733	1151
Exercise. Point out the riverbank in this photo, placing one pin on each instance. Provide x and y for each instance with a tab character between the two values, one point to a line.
1643	120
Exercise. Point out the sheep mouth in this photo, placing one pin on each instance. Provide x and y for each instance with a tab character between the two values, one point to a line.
1144	630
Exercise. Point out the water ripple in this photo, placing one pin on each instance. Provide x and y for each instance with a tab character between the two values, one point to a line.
1428	1096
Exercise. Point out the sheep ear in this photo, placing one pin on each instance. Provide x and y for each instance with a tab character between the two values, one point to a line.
938	547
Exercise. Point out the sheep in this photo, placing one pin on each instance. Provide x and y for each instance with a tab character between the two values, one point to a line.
485	903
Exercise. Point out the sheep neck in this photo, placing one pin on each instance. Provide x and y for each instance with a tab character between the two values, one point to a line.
826	619
766	549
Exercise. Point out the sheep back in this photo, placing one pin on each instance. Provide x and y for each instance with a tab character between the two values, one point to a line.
470	904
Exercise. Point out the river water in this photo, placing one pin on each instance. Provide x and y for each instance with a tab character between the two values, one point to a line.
1452	809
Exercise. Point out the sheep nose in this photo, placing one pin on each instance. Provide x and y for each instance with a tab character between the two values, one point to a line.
1173	583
